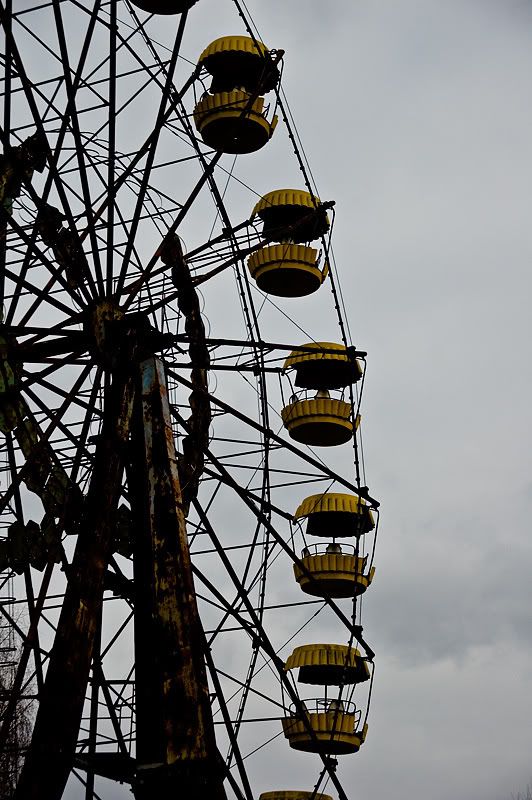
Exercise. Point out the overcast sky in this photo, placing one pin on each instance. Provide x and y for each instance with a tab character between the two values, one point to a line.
416	117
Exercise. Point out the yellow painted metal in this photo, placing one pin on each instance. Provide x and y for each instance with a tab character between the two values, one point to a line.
333	575
320	422
238	62
328	664
286	270
285	197
329	502
340	514
283	794
328	370
298	357
334	732
292	214
232	44
314	655
229	123
223	103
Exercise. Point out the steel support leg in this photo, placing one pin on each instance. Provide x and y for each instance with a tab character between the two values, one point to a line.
176	749
51	754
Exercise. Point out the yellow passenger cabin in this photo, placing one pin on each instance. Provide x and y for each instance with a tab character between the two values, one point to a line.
321	421
232	117
329	727
292	268
287	270
333	570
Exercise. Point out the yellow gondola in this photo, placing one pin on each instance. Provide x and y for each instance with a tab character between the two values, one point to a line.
233	118
330	572
334	729
233	123
336	515
287	270
320	422
291	268
323	365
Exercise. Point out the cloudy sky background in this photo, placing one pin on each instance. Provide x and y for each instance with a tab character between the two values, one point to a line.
416	118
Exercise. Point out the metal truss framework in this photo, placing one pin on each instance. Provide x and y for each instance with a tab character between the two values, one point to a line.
134	577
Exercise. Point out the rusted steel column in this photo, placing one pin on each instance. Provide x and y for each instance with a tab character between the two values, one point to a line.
176	749
193	444
51	754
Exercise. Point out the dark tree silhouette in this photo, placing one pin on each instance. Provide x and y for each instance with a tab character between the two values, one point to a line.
526	795
12	754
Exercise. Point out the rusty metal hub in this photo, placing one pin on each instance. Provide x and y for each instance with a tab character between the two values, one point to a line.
98	317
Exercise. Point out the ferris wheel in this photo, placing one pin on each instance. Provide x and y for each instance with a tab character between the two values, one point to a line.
184	515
